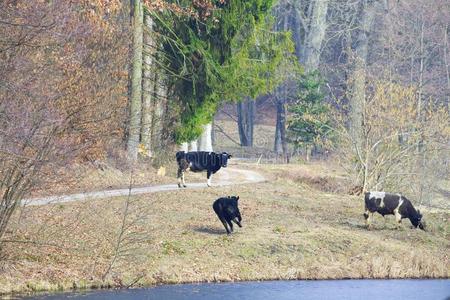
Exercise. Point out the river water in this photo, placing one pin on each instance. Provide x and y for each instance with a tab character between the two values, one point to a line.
279	290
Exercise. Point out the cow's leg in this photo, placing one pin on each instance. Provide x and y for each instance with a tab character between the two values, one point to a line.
182	178
368	216
208	178
179	174
237	222
225	224
398	217
230	224
370	220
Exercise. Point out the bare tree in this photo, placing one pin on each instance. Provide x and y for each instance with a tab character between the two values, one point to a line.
359	57
129	239
313	25
48	90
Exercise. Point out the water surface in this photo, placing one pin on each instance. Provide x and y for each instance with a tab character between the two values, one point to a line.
279	290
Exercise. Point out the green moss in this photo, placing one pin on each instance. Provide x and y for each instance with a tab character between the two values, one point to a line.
172	247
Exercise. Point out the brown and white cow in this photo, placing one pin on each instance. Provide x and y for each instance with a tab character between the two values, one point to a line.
391	204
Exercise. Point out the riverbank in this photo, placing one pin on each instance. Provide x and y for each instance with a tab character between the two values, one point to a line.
369	289
297	225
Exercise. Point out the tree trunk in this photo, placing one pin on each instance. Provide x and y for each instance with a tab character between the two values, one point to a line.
184	147
277	147
281	120
281	96
421	71
246	119
193	145
315	34
136	81
160	97
205	142
358	77
421	162
148	87
446	66
307	152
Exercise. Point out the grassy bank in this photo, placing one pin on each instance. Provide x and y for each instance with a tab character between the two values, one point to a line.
299	225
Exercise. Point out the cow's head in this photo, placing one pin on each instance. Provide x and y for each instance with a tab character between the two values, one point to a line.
224	159
417	221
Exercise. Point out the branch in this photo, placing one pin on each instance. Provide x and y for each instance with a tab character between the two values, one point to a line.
229	115
226	135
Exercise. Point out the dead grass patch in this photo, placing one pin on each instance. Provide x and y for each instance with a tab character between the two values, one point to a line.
291	231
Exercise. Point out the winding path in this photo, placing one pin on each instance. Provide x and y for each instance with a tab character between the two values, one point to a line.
226	176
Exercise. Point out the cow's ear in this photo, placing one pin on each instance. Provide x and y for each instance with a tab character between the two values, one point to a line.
237	198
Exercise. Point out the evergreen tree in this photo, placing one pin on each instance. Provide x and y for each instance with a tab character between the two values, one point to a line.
217	55
309	122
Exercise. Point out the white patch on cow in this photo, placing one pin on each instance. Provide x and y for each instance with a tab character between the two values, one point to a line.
398	216
400	201
378	195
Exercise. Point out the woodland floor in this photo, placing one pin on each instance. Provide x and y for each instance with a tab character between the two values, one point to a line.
300	224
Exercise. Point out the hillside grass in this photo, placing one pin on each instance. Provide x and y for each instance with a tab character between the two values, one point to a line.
293	228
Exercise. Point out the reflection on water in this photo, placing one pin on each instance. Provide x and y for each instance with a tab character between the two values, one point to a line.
280	290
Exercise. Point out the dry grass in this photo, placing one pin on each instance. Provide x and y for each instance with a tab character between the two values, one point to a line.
292	230
82	178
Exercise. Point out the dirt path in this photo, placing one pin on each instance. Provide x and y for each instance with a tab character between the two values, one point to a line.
226	176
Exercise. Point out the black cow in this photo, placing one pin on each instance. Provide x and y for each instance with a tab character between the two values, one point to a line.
199	161
227	210
391	204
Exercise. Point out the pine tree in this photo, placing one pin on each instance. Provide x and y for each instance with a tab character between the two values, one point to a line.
216	58
309	124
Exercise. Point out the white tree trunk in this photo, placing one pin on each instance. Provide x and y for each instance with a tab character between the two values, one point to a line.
184	147
193	145
205	141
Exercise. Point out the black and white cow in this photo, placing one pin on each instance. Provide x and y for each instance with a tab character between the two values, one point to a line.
199	161
391	204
